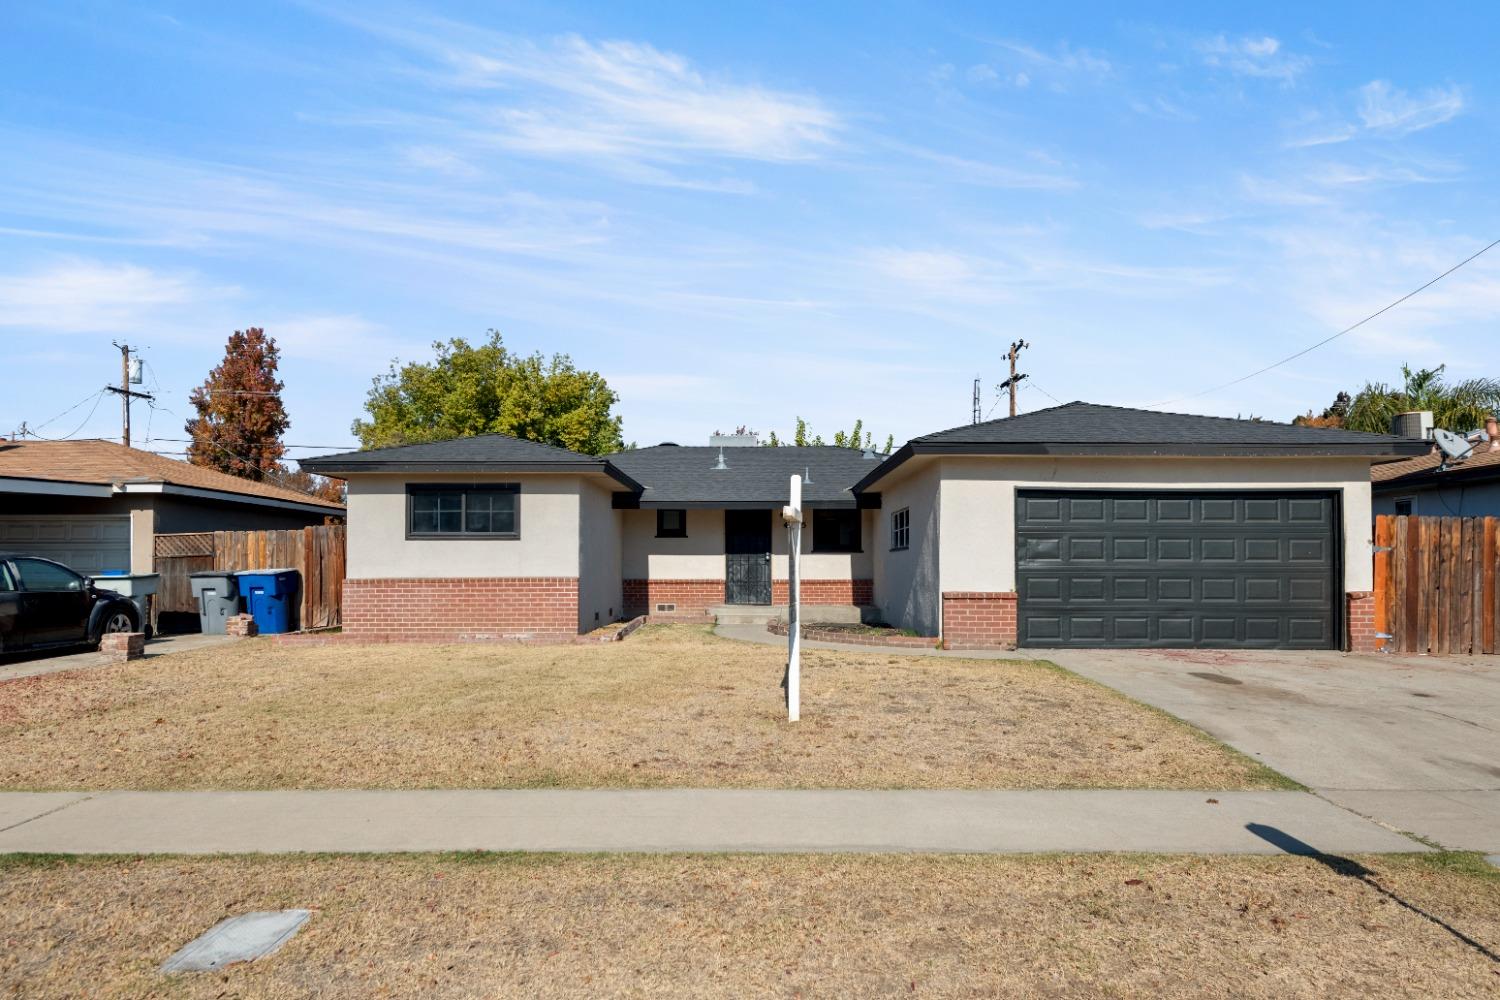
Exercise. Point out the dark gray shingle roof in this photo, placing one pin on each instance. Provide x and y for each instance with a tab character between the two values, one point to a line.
479	453
756	477
1093	429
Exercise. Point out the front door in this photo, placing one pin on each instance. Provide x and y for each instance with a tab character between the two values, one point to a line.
747	544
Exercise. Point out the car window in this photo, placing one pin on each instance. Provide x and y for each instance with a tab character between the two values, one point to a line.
6	583
39	574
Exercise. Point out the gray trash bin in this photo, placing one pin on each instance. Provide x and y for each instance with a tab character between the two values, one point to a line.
217	596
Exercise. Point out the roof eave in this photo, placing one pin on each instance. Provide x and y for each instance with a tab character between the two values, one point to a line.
330	466
1394	450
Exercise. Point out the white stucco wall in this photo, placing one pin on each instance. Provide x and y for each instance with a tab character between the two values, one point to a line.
378	546
906	581
599	597
824	565
978	503
699	556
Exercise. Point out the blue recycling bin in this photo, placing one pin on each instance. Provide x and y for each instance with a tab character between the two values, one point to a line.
271	598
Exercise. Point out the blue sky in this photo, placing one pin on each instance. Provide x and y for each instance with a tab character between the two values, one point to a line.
744	213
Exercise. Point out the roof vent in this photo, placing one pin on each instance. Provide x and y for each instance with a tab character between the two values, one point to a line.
669	444
870	454
1413	424
720	464
807	475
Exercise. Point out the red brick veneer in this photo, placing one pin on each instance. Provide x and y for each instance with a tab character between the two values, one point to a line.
976	619
690	596
1361	619
461	609
827	592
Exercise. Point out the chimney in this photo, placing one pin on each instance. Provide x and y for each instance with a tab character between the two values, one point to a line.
1492	431
1413	424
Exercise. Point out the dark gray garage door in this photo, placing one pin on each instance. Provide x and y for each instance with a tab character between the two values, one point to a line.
1210	569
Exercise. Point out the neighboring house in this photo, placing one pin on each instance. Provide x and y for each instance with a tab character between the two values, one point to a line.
1430	486
1080	525
97	505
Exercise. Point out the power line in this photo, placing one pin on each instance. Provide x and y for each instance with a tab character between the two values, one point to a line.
317	446
1348	329
1044	392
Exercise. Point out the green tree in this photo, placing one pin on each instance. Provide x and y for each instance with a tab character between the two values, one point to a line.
1458	406
857	437
485	389
240	417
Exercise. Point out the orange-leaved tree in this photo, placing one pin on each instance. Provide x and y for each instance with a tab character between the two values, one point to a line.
240	415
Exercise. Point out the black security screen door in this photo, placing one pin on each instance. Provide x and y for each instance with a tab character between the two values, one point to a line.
747	544
1177	569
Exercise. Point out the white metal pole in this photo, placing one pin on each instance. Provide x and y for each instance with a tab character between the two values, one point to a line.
793	516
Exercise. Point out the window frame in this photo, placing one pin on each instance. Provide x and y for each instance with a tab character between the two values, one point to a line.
824	514
463	489
901	529
1411	506
662	532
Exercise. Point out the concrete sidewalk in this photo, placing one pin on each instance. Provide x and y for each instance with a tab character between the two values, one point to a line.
688	820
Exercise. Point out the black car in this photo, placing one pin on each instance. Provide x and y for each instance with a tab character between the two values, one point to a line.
44	604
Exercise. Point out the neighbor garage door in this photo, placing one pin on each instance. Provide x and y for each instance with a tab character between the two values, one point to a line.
1177	569
86	544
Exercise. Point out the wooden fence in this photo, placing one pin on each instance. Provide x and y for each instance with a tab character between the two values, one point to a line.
1435	586
317	554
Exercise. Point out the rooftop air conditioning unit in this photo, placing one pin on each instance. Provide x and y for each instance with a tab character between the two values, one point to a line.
1414	424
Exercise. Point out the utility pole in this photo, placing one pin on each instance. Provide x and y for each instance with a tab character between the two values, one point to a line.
976	407
1014	380
129	374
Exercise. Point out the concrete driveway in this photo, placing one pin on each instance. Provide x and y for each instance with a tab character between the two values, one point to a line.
14	666
1412	742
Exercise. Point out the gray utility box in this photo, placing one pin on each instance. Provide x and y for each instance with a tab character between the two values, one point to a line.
218	597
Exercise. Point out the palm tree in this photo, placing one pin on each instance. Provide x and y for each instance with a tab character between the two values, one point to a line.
1459	407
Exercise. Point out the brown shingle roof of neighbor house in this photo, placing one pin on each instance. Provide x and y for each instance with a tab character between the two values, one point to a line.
108	463
1482	464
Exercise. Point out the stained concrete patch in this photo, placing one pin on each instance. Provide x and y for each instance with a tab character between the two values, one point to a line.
238	939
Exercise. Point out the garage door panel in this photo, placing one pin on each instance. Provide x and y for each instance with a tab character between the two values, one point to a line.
1217	568
87	544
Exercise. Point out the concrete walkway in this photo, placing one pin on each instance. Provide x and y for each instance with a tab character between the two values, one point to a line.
1410	741
689	820
758	634
18	665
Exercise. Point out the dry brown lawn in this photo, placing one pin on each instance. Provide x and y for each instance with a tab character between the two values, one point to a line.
741	926
669	707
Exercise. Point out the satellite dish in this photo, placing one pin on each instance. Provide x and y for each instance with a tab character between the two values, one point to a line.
1453	446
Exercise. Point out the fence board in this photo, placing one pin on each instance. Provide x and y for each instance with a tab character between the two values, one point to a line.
1384	593
1411	638
316	553
1438	584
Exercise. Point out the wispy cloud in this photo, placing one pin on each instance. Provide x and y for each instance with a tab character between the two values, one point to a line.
1063	59
79	295
613	100
1392	111
1385	111
1255	56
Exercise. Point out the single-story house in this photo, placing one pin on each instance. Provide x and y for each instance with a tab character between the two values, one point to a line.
1079	525
97	505
1432	485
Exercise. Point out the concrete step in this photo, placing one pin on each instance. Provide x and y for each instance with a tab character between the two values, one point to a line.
761	614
